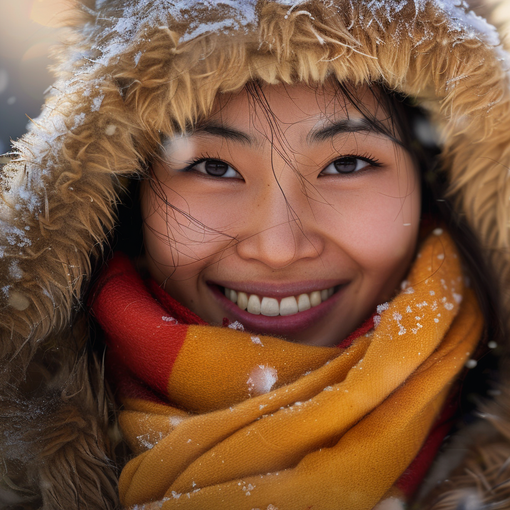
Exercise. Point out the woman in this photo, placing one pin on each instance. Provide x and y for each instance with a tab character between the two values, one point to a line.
294	331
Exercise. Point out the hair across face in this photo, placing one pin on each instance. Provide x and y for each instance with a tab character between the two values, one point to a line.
286	210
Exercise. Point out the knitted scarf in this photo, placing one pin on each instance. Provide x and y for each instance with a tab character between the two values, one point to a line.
219	418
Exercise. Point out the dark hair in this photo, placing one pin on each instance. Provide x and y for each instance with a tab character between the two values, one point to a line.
410	128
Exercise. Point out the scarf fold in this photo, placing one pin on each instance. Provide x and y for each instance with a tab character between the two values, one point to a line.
221	418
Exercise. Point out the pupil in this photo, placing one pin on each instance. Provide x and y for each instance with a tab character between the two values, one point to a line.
345	165
215	167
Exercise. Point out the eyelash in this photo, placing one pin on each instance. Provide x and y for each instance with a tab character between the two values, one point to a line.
367	158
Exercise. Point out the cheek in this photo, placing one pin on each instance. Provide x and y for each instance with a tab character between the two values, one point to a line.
181	228
377	226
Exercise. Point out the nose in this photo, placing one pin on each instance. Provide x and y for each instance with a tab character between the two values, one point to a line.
280	230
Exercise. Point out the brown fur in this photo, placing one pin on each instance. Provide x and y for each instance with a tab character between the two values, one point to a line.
60	460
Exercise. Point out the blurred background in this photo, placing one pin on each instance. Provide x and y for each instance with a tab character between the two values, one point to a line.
28	29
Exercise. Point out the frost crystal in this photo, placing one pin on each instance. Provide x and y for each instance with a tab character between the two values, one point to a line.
262	378
169	319
381	308
257	340
237	326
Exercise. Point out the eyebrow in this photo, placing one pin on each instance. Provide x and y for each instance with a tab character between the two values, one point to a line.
344	126
224	132
318	135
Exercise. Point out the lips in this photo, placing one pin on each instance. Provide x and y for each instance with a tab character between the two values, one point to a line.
278	324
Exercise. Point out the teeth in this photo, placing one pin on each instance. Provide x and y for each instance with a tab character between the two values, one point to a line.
270	307
254	304
315	298
242	300
303	302
288	306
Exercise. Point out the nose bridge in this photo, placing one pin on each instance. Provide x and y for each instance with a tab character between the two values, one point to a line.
280	227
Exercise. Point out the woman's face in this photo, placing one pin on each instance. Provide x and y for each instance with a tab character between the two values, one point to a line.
290	214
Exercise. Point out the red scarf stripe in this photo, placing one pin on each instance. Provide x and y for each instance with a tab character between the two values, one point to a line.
145	337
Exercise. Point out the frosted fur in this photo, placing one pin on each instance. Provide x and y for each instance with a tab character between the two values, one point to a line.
149	68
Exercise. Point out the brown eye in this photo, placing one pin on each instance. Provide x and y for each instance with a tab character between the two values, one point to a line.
216	168
346	165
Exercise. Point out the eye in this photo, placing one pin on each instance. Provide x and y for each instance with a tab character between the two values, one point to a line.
215	168
348	165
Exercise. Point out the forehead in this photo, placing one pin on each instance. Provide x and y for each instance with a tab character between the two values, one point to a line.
302	105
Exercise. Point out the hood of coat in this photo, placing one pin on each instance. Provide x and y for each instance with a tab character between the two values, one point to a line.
133	71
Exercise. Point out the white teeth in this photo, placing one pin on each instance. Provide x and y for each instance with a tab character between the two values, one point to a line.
242	300
303	302
288	306
254	304
271	307
315	298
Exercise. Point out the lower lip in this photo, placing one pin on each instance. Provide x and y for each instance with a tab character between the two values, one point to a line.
279	325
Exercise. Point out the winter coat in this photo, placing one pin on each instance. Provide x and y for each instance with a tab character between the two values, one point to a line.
133	70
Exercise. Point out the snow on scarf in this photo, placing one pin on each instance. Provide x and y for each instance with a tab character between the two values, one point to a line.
221	418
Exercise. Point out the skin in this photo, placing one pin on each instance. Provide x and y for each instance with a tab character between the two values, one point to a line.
283	215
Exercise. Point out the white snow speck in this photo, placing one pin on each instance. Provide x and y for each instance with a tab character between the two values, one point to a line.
471	363
381	308
262	378
14	270
437	231
492	345
175	420
169	319
237	326
96	103
110	129
441	256
11	100
137	58
256	340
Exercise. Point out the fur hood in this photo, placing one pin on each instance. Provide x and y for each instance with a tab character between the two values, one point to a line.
133	71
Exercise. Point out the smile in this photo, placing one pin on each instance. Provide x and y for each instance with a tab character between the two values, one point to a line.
271	307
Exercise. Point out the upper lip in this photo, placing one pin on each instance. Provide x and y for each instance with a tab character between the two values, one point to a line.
279	290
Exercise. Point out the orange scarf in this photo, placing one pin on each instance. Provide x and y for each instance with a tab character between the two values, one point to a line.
223	419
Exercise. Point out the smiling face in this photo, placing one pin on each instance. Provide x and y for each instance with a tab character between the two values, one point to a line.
291	214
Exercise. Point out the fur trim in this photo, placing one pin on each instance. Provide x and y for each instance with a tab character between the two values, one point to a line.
55	442
132	71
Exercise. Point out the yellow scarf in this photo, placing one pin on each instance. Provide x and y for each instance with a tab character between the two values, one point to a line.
259	423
